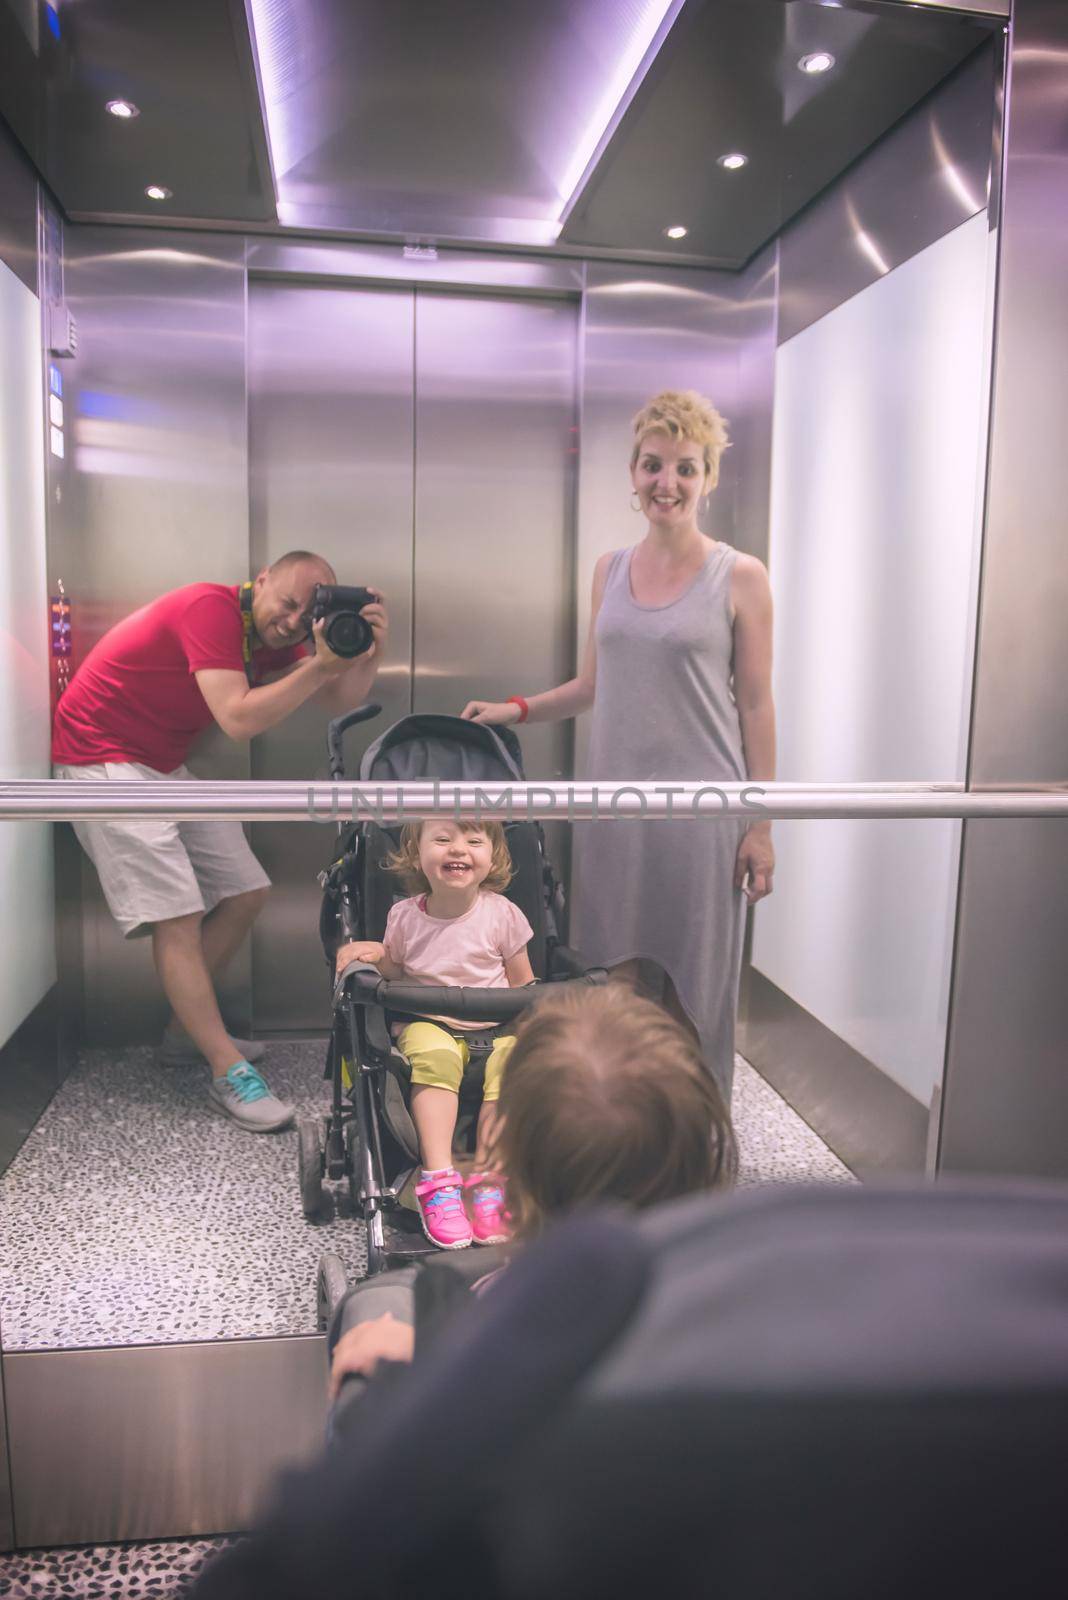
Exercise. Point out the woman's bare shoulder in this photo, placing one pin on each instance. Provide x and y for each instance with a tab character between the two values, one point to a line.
750	569
749	578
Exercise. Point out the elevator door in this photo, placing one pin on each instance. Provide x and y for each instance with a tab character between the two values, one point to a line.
423	443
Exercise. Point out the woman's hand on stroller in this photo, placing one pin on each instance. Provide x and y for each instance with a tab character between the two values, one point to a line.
493	712
361	1349
360	950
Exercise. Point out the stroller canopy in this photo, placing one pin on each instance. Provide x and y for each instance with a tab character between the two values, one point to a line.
427	745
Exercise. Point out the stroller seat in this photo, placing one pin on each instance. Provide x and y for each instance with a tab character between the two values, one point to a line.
379	893
370	1137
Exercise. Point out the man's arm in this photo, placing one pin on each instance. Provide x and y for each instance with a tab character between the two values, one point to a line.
242	712
350	686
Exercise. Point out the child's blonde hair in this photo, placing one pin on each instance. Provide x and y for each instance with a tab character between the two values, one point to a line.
605	1097
404	861
684	414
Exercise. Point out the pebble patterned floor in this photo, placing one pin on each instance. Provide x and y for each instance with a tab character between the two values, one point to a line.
134	1214
208	1243
160	1571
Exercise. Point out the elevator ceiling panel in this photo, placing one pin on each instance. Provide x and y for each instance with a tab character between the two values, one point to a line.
591	125
189	71
730	83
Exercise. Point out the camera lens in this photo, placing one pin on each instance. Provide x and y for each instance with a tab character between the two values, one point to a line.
348	634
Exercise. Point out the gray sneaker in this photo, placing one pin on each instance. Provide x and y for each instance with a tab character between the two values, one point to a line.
243	1095
178	1049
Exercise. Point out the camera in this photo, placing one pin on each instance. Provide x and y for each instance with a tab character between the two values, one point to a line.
346	632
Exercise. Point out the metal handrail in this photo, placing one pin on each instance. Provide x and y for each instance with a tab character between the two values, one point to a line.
58	799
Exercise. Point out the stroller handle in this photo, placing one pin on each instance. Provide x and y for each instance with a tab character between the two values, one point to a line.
364	985
337	729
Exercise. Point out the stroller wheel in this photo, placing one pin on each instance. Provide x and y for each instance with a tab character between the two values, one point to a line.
330	1288
310	1168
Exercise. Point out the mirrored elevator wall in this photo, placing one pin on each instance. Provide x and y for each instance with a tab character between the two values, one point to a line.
423	441
431	428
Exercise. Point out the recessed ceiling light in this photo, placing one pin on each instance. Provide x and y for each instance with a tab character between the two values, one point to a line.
733	161
156	191
678	232
818	61
123	108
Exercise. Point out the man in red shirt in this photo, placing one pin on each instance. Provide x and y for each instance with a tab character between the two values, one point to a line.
205	653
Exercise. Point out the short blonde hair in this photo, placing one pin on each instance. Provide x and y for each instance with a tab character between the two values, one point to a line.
404	861
684	414
605	1097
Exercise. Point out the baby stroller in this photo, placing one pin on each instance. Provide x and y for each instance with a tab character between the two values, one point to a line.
368	1137
818	1393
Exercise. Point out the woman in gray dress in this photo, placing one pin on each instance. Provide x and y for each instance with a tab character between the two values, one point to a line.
678	672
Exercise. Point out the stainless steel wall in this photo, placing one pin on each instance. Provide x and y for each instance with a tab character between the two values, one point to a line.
152	493
422	442
929	174
493	559
157	1441
1006	1091
160	488
488	360
330	469
18	211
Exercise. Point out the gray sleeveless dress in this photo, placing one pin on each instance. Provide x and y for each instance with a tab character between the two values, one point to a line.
664	710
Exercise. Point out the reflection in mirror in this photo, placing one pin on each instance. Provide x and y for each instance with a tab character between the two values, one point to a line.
435	449
133	1215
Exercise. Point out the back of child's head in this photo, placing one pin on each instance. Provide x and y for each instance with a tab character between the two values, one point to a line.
404	861
605	1097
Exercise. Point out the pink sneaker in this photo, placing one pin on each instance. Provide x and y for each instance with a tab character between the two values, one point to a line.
441	1206
488	1216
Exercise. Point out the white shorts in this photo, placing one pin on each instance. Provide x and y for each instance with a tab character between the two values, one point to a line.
151	868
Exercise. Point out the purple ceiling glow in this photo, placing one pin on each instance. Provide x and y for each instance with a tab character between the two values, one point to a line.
375	127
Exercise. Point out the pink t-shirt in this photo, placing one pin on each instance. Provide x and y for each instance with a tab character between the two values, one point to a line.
467	952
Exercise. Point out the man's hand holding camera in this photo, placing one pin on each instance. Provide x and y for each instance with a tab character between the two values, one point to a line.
375	615
351	621
349	629
344	629
329	664
342	634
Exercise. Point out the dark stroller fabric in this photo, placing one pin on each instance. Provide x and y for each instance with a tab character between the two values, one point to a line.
430	747
828	1392
842	1393
387	1511
453	750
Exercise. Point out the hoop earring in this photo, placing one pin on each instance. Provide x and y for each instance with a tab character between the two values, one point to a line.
634	497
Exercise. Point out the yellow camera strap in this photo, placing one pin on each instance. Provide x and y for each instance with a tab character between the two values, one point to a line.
247	630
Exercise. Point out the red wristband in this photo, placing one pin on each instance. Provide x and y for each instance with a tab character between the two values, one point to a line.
517	700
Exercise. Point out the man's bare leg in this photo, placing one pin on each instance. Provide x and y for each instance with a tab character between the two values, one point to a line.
222	933
178	950
225	929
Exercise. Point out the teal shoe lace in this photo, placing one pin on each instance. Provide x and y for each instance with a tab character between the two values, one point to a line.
247	1083
446	1201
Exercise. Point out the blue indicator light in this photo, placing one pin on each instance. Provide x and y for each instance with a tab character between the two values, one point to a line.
110	407
52	19
55	381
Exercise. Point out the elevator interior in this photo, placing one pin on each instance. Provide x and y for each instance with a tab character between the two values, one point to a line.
363	323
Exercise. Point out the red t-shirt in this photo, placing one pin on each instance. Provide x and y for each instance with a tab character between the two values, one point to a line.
134	697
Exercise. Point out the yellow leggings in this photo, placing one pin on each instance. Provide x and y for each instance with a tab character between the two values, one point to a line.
438	1057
